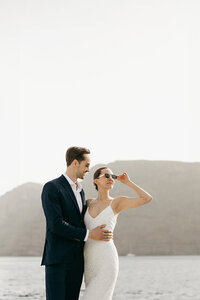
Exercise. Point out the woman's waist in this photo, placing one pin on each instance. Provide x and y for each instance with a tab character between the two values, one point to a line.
99	247
91	242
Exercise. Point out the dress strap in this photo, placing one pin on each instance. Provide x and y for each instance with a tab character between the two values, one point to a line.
111	201
91	202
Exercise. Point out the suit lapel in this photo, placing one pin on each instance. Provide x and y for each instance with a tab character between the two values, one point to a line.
68	188
83	202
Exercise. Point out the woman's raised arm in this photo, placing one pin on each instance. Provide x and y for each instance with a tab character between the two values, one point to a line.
123	202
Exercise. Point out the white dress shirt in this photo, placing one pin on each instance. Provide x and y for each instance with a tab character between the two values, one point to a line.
77	187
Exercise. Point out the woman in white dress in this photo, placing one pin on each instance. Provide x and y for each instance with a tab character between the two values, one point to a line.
101	258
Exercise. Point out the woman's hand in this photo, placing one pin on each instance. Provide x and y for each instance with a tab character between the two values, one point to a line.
124	178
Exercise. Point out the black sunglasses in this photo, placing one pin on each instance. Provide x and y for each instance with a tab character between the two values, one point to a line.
108	176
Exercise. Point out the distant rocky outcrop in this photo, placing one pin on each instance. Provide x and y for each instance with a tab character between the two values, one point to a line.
22	222
169	225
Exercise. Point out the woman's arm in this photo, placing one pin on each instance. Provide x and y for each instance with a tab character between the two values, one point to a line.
123	202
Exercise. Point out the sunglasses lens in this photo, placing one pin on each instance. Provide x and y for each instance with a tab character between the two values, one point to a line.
108	176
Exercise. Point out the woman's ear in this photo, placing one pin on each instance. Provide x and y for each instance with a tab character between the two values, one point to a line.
95	181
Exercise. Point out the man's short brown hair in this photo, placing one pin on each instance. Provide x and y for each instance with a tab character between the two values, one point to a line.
75	153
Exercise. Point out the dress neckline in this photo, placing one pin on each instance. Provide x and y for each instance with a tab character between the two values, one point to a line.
101	211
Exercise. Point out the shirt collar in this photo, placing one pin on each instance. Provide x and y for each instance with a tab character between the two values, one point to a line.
72	183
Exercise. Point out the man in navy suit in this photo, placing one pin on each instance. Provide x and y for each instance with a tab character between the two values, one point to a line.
64	207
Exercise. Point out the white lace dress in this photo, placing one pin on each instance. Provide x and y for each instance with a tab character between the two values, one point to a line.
100	259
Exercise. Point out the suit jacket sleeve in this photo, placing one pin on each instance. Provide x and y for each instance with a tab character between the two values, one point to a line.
53	214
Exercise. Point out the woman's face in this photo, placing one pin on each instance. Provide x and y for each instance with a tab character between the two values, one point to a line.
103	182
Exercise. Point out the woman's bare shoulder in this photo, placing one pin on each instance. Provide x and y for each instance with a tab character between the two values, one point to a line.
116	200
115	203
88	201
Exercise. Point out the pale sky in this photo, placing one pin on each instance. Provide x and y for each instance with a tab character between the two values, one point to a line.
116	76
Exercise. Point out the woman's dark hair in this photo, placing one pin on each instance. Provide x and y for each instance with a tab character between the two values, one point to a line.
96	175
75	153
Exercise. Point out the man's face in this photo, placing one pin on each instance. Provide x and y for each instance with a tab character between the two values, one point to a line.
83	167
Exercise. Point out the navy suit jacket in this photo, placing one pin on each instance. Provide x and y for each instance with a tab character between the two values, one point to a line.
65	228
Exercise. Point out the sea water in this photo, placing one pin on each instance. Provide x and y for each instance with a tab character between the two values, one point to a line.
140	278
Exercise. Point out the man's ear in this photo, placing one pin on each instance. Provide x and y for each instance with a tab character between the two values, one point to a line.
75	163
